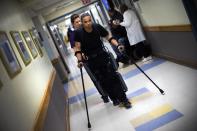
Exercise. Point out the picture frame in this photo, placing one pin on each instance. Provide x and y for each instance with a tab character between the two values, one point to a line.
38	36
36	41
21	47
8	56
30	43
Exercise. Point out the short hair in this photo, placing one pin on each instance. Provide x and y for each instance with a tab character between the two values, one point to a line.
123	8
73	17
84	15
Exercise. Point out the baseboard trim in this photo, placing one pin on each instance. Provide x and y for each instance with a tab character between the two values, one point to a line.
178	61
39	122
170	28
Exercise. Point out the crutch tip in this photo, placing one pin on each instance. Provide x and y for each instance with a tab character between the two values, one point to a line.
89	126
162	92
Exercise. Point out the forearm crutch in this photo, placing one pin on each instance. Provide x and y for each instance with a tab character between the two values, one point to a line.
84	93
161	91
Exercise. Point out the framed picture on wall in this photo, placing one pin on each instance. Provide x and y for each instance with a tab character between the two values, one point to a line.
37	43
8	56
38	36
21	47
30	43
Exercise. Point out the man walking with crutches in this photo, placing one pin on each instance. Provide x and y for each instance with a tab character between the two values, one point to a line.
76	23
88	42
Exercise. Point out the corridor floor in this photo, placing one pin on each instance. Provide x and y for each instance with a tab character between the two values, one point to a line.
174	111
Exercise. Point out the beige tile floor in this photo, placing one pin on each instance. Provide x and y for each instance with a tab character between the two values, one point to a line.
178	82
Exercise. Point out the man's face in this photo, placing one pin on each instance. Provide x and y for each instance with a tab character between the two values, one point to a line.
87	22
77	23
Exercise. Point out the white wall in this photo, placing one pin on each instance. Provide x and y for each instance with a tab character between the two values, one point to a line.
21	96
163	12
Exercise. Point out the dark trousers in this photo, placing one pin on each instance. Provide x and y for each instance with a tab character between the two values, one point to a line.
138	51
102	69
101	91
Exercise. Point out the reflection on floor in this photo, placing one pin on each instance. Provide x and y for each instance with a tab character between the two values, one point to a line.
174	111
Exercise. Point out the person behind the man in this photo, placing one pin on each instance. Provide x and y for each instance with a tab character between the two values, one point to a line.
88	42
76	23
120	34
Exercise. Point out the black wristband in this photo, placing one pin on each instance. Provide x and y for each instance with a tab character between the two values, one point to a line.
78	52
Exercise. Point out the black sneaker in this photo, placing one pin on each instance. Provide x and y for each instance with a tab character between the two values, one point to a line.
105	99
127	105
116	102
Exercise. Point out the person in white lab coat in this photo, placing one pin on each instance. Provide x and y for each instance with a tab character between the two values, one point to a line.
134	32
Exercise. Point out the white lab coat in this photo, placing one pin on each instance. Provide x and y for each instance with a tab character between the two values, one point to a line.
133	27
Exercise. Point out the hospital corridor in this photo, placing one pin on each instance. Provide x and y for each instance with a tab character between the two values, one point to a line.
98	65
150	109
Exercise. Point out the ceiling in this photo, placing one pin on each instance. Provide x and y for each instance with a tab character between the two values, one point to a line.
45	7
67	16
